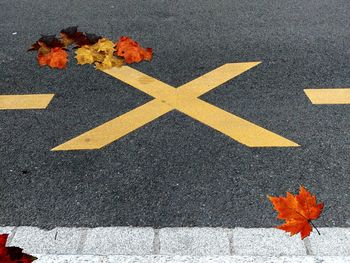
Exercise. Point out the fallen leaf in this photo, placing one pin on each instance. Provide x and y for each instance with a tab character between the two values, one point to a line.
13	254
297	211
100	53
71	35
109	62
46	42
104	45
131	51
82	39
56	58
84	55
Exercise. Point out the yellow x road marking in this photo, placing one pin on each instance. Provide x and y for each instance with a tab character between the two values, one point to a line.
184	99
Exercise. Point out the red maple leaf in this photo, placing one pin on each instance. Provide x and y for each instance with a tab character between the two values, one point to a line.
131	51
55	58
13	254
297	211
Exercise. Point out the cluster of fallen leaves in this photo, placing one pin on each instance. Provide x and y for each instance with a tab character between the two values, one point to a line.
89	49
297	211
13	254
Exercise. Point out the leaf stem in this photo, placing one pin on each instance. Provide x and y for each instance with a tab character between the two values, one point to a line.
315	227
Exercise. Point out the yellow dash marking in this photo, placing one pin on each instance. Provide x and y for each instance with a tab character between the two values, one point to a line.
184	99
25	102
328	96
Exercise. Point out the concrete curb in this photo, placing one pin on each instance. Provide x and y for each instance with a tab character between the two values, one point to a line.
170	242
185	259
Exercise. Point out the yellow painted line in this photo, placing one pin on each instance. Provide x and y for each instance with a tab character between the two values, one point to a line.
328	96
184	99
116	128
25	102
233	126
216	77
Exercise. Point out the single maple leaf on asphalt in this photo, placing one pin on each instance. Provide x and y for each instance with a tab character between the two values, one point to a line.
56	58
13	254
131	51
298	211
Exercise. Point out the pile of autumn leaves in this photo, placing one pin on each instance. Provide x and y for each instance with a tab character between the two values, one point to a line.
89	49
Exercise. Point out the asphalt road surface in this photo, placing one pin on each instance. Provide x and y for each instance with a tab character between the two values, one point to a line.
175	170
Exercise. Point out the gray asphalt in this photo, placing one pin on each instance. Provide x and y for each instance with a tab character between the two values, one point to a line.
176	171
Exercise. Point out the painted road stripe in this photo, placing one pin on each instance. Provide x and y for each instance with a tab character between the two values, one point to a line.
184	99
180	241
328	96
116	128
233	126
216	77
25	102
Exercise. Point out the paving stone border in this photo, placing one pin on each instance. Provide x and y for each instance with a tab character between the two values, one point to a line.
112	244
185	259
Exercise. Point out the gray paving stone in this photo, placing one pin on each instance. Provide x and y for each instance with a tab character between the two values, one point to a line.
332	259
6	229
184	259
35	240
332	242
194	241
266	242
224	259
119	240
126	244
69	259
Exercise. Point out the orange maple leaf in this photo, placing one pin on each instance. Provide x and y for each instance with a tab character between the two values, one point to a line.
131	51
56	58
298	211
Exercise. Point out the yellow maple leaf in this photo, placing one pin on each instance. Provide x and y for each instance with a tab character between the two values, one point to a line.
84	55
103	45
100	53
98	56
109	62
